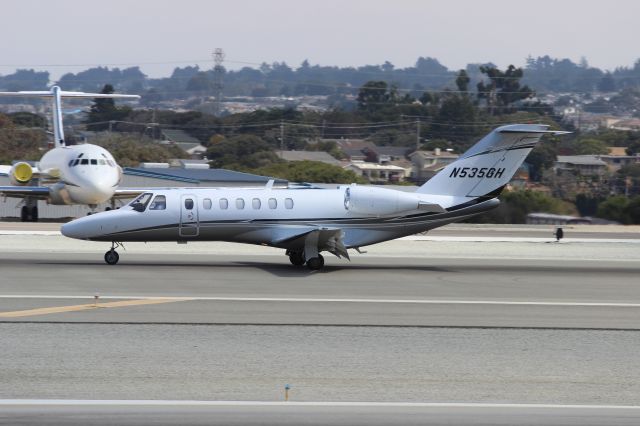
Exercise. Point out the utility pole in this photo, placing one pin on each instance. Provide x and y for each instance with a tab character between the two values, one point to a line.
218	75
417	134
281	136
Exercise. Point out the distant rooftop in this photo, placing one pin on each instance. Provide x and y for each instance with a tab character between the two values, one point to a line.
583	160
321	156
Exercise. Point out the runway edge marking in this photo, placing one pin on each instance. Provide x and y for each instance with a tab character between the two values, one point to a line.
133	300
154	402
88	306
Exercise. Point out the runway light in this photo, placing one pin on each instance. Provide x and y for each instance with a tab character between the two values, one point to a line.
95	300
286	392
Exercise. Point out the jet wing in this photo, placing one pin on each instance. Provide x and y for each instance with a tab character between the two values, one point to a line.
37	192
329	239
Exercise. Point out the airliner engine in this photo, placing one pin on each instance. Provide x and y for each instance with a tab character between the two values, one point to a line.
21	173
378	201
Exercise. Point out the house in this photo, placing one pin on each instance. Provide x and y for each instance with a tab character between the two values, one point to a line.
586	165
184	141
378	173
389	154
357	149
320	156
425	164
618	158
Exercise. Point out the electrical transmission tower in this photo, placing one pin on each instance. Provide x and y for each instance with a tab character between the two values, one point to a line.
218	75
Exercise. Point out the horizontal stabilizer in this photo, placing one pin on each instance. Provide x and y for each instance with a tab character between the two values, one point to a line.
63	94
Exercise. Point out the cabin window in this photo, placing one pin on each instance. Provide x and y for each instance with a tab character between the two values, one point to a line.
206	203
188	204
94	162
224	204
158	203
273	203
239	203
255	203
288	203
84	161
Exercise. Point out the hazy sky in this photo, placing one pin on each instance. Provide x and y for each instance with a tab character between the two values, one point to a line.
161	34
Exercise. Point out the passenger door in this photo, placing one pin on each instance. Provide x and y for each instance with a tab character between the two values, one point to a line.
189	222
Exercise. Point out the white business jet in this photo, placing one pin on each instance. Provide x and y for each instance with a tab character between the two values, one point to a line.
306	222
75	174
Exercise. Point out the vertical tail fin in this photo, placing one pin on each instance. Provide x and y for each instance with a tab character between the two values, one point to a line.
56	95
488	165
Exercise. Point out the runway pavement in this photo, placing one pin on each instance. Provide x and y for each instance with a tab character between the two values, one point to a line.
440	320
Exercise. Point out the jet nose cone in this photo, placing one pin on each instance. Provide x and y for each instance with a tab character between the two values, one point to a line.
78	228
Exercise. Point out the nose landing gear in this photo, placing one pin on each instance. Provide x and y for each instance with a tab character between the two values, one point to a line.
112	257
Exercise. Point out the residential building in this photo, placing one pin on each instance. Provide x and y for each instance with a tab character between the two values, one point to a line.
378	173
425	164
320	156
586	165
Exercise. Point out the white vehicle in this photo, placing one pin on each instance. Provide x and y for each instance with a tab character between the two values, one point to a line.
75	174
306	222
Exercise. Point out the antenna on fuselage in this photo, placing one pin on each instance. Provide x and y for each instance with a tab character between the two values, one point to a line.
56	95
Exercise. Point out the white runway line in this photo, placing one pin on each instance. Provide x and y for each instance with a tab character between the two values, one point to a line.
326	300
154	402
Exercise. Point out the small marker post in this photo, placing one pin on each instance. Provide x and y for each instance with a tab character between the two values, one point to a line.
286	392
95	300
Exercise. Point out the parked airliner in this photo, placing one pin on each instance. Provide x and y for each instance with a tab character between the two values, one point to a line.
75	174
306	222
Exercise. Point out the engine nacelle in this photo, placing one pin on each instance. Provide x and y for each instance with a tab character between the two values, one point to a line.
378	201
21	173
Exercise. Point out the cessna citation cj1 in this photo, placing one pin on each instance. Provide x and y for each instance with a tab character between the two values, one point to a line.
75	174
306	222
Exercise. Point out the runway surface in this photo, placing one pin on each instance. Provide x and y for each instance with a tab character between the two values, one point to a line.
363	414
419	321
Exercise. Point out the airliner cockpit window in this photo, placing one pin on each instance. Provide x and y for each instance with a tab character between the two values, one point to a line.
158	203
94	162
84	161
140	203
102	162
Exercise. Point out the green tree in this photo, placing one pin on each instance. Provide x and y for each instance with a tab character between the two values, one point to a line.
589	147
129	150
309	171
615	208
503	88
105	110
241	152
462	81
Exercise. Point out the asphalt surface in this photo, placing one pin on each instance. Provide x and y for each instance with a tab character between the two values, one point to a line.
487	321
248	414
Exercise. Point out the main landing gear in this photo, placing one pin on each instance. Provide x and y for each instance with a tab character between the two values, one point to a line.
112	257
29	214
297	258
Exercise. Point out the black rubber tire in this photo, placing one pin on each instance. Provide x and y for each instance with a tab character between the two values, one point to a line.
296	258
34	214
24	214
111	257
315	263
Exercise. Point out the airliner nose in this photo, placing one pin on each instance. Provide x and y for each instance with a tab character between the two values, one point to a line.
78	228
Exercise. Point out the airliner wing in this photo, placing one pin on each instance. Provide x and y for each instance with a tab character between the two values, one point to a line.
38	192
124	193
329	239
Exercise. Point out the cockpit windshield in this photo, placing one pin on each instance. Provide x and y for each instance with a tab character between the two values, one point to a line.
140	203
